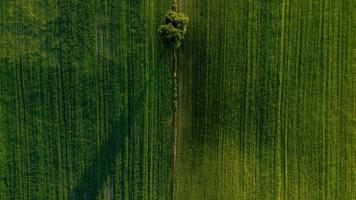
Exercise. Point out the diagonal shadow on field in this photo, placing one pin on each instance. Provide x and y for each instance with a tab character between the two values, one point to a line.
95	174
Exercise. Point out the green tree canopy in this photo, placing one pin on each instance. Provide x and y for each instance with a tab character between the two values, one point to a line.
174	29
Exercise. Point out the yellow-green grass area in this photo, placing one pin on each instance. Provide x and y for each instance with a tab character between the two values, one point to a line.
85	100
267	103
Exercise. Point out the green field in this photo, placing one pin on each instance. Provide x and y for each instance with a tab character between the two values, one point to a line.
85	101
266	100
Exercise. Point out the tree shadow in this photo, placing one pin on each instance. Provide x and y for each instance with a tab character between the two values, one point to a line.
96	173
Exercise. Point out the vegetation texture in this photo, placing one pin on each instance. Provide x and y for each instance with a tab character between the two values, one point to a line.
85	100
267	100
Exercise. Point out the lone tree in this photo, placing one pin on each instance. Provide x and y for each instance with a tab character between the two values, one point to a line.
174	29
